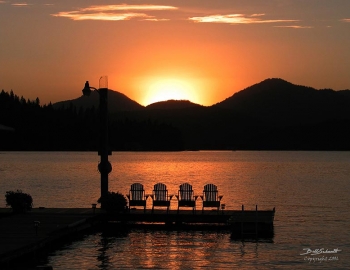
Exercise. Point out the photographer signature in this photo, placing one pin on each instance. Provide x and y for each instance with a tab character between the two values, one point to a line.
319	251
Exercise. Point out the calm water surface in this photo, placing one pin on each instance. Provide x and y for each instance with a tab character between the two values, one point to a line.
310	191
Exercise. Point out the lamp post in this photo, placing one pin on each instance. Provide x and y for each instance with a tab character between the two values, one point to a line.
104	166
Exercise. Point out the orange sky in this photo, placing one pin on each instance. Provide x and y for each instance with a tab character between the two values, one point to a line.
200	50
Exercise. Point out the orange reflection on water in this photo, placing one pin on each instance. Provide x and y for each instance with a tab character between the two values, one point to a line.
236	180
179	250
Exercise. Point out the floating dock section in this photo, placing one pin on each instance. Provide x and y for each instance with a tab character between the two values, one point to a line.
26	235
239	222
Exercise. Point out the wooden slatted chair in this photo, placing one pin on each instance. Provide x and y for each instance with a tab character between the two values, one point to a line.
210	197
137	196
160	196
186	197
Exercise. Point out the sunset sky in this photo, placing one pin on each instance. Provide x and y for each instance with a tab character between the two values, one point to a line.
200	50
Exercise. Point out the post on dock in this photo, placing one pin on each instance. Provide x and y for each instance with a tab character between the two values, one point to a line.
242	213
256	220
36	226
223	206
93	206
104	166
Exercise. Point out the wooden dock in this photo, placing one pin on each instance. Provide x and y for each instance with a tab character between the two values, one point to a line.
25	235
238	222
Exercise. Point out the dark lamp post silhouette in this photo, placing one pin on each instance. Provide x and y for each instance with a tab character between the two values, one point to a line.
104	166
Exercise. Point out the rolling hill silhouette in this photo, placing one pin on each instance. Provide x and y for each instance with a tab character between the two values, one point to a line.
172	104
272	100
273	114
116	102
278	101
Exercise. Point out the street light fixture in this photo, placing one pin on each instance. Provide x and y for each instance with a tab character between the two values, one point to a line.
104	166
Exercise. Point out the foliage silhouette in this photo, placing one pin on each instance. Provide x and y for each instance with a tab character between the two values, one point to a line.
271	115
43	128
20	202
114	202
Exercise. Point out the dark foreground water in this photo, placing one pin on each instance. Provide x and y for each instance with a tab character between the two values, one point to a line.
310	191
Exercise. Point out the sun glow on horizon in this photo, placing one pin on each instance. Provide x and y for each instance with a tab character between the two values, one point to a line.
169	89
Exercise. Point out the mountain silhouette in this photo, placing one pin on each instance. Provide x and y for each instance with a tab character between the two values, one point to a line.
274	101
271	115
279	101
116	102
172	104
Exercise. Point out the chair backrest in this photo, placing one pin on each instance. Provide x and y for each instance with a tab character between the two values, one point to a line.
137	192
210	193
186	192
160	192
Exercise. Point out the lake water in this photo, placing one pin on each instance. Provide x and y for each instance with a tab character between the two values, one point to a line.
310	191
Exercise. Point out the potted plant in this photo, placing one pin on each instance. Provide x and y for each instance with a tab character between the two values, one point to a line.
20	202
114	202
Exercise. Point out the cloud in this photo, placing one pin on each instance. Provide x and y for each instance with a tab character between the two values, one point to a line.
257	15
100	16
157	20
294	26
20	4
346	20
127	7
236	19
114	12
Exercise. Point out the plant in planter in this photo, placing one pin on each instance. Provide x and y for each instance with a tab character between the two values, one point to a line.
20	202
114	202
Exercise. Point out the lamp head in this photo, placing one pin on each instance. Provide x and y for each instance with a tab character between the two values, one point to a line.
87	89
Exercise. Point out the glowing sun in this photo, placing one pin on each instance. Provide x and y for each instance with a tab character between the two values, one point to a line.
167	89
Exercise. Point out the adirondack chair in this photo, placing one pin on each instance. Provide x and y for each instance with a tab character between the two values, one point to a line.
210	197
160	196
186	197
137	196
